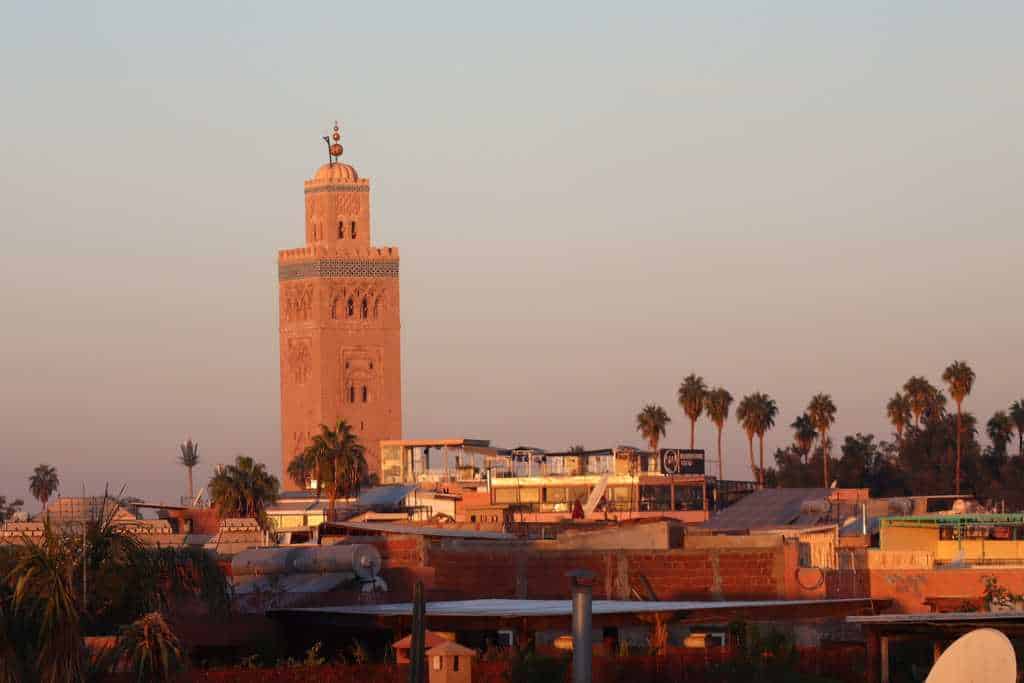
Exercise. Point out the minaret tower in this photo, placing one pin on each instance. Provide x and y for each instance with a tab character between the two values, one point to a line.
339	319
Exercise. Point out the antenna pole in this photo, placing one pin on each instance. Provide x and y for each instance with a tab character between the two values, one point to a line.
85	561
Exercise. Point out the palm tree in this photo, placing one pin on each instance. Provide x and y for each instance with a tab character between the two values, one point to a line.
691	398
756	414
189	458
151	649
1017	416
243	489
803	434
651	423
337	460
960	378
898	410
746	414
43	483
767	410
920	394
716	405
1000	430
822	412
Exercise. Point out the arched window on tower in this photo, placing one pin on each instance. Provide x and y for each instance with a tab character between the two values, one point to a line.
351	307
341	230
366	393
353	229
366	308
351	393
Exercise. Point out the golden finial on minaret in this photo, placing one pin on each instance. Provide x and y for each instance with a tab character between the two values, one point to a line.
334	148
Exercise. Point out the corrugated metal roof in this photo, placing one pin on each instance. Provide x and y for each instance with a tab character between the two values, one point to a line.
928	617
385	496
769	508
502	608
414	530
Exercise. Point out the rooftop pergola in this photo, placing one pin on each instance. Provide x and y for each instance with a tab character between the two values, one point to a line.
939	629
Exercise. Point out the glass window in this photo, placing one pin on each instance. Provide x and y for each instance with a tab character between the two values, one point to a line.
689	498
341	230
580	493
655	498
529	495
554	494
455	663
353	229
366	393
506	494
366	308
351	394
351	307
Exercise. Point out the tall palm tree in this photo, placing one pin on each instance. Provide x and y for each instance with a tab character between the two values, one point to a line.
767	411
691	398
1000	430
43	483
746	415
898	411
960	378
716	405
189	458
243	489
756	413
651	423
803	434
345	461
822	412
1017	416
921	395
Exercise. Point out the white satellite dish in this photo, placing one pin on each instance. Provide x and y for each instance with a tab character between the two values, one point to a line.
984	655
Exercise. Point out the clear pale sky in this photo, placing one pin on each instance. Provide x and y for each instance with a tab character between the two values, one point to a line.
592	200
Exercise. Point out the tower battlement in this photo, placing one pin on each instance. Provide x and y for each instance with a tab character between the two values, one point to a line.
316	251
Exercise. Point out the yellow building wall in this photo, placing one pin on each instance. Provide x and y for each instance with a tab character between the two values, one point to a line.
909	538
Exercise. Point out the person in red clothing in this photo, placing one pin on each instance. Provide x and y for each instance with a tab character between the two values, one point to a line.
577	510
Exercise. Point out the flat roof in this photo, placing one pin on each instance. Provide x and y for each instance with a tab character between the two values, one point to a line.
421	443
936	617
415	530
966	519
510	608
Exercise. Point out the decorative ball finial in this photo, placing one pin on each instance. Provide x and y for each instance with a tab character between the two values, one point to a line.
334	148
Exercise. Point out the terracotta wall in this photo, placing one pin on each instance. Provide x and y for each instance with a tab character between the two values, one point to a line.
908	588
456	570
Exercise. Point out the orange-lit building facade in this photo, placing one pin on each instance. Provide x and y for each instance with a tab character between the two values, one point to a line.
340	323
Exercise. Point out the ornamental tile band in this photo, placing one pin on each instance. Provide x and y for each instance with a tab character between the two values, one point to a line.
338	188
337	268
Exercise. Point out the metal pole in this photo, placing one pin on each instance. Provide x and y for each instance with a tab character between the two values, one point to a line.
582	648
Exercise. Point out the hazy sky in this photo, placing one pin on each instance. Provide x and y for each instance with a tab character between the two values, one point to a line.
591	200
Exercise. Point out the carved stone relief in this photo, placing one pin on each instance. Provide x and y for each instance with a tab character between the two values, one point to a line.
299	355
349	203
297	302
358	302
361	374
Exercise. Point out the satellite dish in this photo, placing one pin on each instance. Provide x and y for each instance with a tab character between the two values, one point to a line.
984	655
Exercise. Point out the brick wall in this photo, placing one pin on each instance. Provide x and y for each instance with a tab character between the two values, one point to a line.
464	570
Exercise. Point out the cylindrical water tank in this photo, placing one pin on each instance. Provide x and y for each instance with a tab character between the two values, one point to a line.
261	561
364	560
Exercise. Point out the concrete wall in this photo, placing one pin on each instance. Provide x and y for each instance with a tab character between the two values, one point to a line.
908	588
470	569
